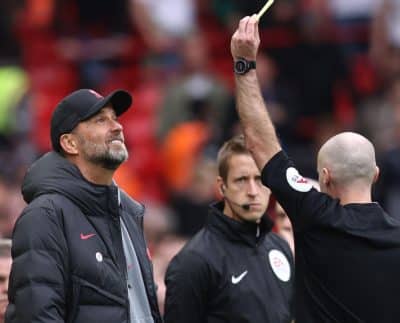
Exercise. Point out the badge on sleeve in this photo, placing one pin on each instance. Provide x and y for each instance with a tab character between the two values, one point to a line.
296	181
279	264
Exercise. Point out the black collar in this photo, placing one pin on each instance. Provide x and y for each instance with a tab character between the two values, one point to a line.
248	232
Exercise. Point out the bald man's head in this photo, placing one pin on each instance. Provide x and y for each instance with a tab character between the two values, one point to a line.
350	159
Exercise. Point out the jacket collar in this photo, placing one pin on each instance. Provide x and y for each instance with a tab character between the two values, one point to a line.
246	232
52	173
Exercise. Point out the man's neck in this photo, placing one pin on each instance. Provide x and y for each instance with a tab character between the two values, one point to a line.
359	196
95	173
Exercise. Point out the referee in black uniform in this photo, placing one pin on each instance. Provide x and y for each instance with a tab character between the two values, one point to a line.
347	247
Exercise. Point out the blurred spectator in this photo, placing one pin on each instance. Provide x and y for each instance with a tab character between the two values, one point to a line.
159	223
158	26
10	49
192	117
352	10
91	17
16	151
352	20
385	38
191	205
5	267
281	96
14	86
181	150
284	226
129	34
165	250
314	70
387	190
11	205
197	93
93	34
379	117
229	12
317	66
383	125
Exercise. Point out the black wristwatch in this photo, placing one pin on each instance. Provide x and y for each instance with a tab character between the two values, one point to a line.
242	65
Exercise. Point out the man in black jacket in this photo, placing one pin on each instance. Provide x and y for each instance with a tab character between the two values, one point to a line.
79	254
347	247
234	269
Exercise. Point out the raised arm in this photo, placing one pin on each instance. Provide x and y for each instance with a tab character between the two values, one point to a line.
257	126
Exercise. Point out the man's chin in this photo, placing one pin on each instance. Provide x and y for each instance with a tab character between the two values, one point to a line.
118	155
110	160
113	163
255	218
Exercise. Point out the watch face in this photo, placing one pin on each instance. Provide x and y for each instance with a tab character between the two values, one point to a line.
240	67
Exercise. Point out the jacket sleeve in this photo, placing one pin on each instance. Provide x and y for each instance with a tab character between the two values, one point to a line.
187	281
38	275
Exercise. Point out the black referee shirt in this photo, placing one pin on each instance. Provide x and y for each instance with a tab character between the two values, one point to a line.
347	257
231	272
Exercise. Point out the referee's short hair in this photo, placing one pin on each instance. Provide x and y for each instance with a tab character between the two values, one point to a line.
234	146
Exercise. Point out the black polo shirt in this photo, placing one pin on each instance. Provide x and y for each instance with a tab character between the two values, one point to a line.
347	257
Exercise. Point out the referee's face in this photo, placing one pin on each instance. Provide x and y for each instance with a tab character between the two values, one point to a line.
246	198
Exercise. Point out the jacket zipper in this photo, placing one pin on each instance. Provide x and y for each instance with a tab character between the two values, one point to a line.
257	235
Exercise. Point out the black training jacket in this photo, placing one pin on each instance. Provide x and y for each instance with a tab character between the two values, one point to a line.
226	274
68	259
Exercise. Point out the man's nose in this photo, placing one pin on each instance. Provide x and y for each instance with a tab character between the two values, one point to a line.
253	188
116	125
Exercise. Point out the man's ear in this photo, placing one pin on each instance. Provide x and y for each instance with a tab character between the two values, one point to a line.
220	186
68	144
377	173
326	176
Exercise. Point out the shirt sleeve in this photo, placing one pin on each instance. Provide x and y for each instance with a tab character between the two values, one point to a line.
303	204
187	282
37	282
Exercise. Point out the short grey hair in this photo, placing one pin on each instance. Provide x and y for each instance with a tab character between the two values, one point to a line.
350	157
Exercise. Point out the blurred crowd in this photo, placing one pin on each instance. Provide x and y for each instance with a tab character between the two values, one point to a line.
326	66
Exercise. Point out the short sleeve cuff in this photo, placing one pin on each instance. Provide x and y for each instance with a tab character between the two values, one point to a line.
276	165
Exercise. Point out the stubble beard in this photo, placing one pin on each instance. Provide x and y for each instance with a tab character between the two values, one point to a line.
106	157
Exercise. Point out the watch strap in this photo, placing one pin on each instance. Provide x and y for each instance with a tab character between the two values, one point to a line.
242	65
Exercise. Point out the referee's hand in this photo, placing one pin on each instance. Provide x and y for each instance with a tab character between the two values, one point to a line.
246	39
